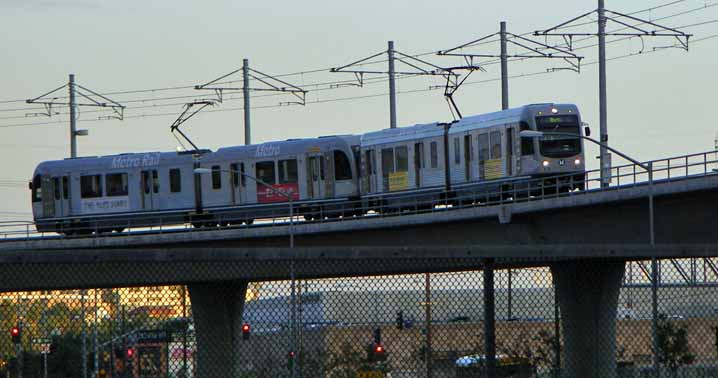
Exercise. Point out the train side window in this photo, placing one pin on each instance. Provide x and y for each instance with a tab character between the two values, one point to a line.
484	147
527	144
387	161
433	149
457	151
37	189
265	172
402	159
146	182
91	186
116	184
495	144
234	174
288	171
65	187
56	187
175	180
368	163
155	182
342	167
216	177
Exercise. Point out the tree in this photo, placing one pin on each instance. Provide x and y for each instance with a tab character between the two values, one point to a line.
673	348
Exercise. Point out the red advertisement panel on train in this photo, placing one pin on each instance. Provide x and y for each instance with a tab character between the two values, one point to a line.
266	195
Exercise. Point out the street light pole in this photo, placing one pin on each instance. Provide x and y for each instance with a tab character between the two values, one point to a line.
289	196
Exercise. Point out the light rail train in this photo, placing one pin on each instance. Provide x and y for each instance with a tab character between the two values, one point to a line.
330	176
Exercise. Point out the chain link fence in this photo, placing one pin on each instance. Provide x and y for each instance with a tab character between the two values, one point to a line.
398	326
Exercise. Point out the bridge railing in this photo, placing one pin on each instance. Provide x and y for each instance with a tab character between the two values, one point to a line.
489	193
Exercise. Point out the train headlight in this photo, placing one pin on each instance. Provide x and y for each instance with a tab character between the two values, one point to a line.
577	162
545	163
554	110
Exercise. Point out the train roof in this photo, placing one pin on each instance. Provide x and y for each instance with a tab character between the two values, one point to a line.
400	134
513	115
290	147
115	162
154	159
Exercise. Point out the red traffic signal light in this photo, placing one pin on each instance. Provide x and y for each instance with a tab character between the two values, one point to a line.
15	333
378	349
245	331
130	352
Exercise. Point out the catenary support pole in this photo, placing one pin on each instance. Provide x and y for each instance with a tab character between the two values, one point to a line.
83	294
489	319
654	276
73	118
504	68
602	100
392	87
245	88
427	315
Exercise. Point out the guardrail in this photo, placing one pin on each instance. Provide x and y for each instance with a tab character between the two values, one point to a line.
488	193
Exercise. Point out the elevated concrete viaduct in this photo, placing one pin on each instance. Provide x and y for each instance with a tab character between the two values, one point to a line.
585	238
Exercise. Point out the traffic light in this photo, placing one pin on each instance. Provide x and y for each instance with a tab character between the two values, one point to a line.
290	359
376	353
377	336
245	331
400	320
16	335
118	354
130	352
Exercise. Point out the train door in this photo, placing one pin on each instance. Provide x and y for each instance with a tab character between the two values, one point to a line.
150	187
48	197
510	151
61	194
237	183
369	171
328	170
467	157
315	177
418	163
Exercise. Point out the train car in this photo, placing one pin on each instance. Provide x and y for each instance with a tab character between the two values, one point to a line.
478	158
101	194
105	193
403	165
487	149
321	174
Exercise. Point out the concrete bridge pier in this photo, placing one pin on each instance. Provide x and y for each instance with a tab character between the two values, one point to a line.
588	298
217	310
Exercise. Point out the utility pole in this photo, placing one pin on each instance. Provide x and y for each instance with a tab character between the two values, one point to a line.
504	71
415	66
602	95
245	91
73	117
392	86
75	90
267	83
636	28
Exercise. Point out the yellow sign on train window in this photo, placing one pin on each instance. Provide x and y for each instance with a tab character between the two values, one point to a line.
398	181
494	169
315	149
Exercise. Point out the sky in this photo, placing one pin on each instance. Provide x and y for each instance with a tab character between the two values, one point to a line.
660	101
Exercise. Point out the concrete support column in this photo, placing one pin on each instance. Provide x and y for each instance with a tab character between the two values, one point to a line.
588	297
217	310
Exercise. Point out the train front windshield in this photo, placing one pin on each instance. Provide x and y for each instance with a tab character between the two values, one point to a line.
559	146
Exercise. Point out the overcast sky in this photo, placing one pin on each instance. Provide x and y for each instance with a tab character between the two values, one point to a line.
660	101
